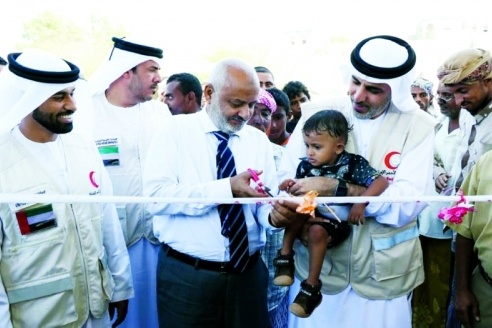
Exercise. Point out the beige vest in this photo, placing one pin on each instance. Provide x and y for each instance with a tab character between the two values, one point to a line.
378	261
55	276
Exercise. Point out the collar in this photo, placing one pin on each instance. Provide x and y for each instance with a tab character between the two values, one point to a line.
482	115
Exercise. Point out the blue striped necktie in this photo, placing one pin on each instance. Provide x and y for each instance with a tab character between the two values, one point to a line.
232	215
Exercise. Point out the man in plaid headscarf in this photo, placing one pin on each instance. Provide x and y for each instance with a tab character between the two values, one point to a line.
422	93
468	75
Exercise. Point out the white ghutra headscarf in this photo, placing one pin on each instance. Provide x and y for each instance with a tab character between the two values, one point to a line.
126	54
385	59
31	78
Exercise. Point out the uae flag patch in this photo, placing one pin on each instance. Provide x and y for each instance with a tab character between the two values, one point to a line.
35	218
109	151
110	155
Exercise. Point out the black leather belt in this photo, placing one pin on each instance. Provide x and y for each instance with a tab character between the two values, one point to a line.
199	264
484	274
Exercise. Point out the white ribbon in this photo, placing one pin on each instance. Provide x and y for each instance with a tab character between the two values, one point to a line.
54	198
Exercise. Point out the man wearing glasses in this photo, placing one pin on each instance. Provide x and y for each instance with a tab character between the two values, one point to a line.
431	298
467	75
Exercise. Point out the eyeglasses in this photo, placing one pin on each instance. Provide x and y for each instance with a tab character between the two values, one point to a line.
447	97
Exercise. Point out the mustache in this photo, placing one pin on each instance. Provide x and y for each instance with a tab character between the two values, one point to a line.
360	103
67	112
238	118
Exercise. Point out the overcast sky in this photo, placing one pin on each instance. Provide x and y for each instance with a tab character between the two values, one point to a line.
190	28
216	19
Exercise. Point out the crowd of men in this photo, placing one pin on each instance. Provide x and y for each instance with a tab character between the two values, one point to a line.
212	263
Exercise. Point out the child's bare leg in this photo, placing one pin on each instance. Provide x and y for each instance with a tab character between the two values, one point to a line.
290	235
309	296
284	261
317	243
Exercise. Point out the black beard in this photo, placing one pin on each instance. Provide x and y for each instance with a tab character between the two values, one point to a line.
50	123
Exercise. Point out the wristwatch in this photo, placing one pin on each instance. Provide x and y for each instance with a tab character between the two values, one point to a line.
341	188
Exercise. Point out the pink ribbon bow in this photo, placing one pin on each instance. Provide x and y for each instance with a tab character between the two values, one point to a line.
455	214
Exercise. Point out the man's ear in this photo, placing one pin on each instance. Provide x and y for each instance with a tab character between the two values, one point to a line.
190	97
128	74
207	92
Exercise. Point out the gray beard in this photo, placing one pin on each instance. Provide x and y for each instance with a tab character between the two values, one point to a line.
373	112
220	120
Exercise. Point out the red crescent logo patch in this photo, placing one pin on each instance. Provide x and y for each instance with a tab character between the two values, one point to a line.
392	160
91	179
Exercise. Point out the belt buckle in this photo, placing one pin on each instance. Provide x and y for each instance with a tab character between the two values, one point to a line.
223	267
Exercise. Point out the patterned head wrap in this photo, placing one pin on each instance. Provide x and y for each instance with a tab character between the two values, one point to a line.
265	98
424	85
466	66
385	59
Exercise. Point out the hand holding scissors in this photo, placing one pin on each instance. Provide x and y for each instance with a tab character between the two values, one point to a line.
261	187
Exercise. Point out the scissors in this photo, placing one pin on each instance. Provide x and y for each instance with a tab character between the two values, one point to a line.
261	188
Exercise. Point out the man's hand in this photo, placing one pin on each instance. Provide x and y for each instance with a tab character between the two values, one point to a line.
121	308
286	184
283	213
356	215
442	182
324	186
240	185
466	307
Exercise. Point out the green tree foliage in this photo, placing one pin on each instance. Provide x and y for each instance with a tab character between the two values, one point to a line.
85	46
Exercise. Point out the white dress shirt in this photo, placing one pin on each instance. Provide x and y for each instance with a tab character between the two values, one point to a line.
181	163
446	146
